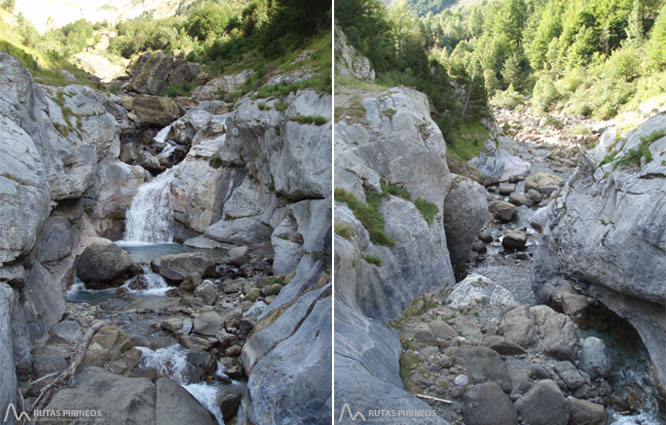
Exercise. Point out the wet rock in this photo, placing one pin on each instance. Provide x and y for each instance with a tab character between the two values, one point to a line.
201	364
482	365
570	375
172	325
584	412
192	342
479	247
517	326
229	405
149	162
103	265
595	359
207	292
175	268
479	289
514	239
503	211
519	199
543	404
544	183
503	345
465	212
487	404
208	323
225	339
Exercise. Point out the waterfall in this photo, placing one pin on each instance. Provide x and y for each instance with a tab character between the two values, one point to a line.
150	217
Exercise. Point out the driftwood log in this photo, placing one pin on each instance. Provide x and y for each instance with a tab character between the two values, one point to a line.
70	372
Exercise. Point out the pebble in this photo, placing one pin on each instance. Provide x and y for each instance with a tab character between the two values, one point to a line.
461	380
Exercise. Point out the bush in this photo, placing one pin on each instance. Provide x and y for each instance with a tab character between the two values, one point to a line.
184	89
625	64
545	93
309	119
508	98
343	230
368	214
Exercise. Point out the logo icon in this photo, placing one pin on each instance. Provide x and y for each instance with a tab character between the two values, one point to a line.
17	417
352	416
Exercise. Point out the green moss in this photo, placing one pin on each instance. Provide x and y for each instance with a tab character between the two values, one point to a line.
215	162
343	230
184	89
428	209
310	119
368	214
373	259
389	112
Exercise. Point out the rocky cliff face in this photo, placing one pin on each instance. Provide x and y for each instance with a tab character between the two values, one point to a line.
390	157
604	235
54	141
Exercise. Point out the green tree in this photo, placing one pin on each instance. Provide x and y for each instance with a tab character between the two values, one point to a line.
656	48
512	71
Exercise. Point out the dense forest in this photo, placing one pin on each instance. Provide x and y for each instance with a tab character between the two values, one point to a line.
225	36
583	57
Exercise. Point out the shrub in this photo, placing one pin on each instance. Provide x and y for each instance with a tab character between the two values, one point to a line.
625	64
508	98
544	93
310	119
184	89
368	214
343	230
263	107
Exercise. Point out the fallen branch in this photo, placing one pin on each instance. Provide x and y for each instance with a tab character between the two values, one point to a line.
427	397
70	372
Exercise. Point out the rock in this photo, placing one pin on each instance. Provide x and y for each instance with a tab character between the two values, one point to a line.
172	325
250	317
149	162
241	231
190	283
253	294
487	404
461	380
516	325
500	167
237	256
217	88
570	375
192	342
595	359
200	365
506	189
481	364
504	212
503	345
55	242
533	195
584	412
349	63
156	110
207	292
108	344
519	199
7	369
514	239
441	330
208	323
140	401
67	331
560	333
103	265
174	268
48	361
573	304
287	245
543	404
480	289
544	183
465	212
233	351
273	289
229	404
152	72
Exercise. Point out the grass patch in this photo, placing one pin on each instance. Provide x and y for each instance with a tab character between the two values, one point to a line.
263	107
389	112
653	137
408	361
368	214
317	120
373	259
279	279
395	190
215	162
466	141
184	90
580	129
281	89
343	230
281	106
428	209
610	157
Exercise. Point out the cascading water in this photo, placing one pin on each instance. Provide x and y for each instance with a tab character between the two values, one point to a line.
150	217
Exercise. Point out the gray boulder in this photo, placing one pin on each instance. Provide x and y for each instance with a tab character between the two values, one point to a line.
595	358
517	326
465	212
503	211
156	110
543	404
175	268
514	239
7	370
544	183
482	365
487	404
103	265
584	412
479	289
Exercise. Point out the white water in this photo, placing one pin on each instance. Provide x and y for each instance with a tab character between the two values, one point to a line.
150	217
156	283
171	361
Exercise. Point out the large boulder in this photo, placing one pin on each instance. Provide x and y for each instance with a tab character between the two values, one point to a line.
465	212
487	404
175	268
481	364
543	404
218	87
121	400
479	289
102	265
7	370
156	110
153	72
595	358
